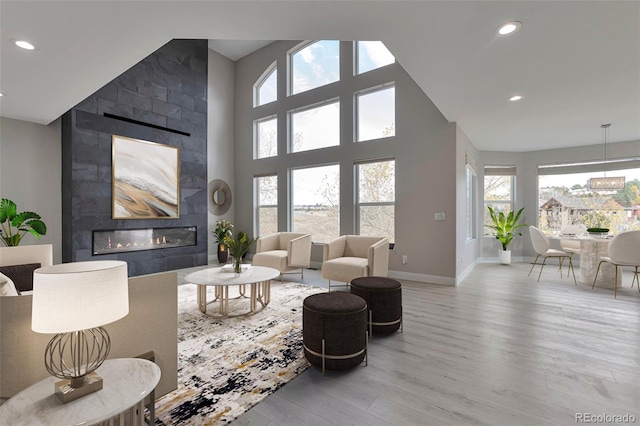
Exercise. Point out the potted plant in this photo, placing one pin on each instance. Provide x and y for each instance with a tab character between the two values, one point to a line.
14	225
238	247
505	226
223	229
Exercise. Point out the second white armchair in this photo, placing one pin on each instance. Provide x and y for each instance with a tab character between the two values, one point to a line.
284	251
353	256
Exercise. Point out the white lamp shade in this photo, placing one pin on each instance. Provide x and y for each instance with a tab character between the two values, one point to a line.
79	295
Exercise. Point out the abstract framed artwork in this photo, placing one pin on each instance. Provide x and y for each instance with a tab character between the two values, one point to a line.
145	179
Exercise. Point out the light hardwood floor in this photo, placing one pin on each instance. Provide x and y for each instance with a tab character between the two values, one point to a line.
498	349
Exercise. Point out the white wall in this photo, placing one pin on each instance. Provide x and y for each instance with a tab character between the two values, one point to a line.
466	250
31	175
424	149
220	133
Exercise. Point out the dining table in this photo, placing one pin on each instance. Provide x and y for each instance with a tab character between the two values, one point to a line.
592	248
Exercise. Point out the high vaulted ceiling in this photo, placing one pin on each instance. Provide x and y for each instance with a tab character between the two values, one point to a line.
576	63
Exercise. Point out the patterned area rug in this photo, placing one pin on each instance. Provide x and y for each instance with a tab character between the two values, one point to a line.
226	366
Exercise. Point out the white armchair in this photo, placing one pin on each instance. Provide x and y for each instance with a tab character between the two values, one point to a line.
353	256
284	251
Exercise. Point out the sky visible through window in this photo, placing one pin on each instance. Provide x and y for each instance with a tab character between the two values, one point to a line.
372	55
268	90
315	65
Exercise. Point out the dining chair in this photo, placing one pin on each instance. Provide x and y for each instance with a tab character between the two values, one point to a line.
624	250
542	246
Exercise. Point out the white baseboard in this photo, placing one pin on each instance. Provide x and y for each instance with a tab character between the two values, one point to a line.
431	279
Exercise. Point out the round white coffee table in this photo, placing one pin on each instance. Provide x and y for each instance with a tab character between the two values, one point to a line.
258	278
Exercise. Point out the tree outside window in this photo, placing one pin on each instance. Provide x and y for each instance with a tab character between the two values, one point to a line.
375	207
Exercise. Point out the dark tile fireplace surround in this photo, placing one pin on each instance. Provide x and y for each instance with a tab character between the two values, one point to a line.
162	99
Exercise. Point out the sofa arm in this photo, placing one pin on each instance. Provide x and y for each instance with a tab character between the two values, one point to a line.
334	248
378	258
268	243
299	251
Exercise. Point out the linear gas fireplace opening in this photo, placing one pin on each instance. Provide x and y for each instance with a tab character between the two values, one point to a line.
127	240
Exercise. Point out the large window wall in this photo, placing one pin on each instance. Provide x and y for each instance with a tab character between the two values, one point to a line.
325	109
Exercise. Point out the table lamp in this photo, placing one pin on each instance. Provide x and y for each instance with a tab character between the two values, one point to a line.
74	300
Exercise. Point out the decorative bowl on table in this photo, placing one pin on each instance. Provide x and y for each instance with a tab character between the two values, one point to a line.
598	232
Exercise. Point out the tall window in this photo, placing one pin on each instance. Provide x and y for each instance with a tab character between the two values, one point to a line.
376	113
566	197
470	226
315	65
266	137
371	55
315	127
376	196
316	202
499	189
266	202
266	89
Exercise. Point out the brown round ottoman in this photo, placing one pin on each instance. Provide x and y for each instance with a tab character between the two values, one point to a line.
334	330
384	299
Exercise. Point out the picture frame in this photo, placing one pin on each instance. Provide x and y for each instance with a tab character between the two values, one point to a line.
145	179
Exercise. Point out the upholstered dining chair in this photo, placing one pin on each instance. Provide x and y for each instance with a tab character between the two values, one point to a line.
284	251
624	250
542	246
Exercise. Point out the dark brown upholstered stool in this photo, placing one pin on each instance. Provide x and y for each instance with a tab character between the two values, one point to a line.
384	299
334	330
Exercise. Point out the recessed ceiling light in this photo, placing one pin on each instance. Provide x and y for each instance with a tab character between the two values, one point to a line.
515	98
509	28
25	45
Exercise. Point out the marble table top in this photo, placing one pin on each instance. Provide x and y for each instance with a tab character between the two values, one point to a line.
225	276
127	381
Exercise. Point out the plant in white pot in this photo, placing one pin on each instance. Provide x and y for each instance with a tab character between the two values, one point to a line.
504	227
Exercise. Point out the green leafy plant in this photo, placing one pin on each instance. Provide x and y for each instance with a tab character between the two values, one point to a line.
224	229
14	225
505	225
239	245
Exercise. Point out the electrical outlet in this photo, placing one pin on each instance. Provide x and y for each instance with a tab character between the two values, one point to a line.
404	259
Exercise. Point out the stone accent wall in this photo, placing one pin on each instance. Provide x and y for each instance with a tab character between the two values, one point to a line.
166	90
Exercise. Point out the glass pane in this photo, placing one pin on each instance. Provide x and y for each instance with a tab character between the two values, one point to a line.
316	128
376	182
315	65
372	55
268	89
267	190
316	202
566	199
267	221
497	194
267	138
469	214
376	114
378	221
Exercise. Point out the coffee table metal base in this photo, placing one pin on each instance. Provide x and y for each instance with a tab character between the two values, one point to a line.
259	297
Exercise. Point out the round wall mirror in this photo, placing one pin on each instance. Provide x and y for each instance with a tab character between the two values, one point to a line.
219	197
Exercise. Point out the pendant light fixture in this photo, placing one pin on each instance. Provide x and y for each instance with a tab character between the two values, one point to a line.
606	183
